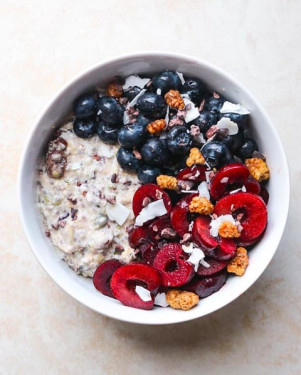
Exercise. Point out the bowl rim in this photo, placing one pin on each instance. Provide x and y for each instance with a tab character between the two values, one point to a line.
143	54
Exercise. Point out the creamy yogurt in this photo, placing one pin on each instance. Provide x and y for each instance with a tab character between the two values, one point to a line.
75	208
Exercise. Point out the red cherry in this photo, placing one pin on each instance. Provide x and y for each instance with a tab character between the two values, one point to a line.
252	185
215	266
253	211
152	193
264	194
138	236
201	234
204	287
159	229
179	214
195	173
127	277
148	252
103	274
174	270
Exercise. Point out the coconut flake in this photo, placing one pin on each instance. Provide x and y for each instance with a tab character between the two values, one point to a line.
189	191
160	300
135	99
196	255
126	118
152	210
215	223
117	212
224	180
229	107
226	123
181	76
106	150
135	80
243	189
204	263
143	293
167	117
190	226
199	138
193	112
203	190
159	92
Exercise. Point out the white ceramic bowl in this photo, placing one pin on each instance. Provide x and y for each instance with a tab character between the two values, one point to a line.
263	130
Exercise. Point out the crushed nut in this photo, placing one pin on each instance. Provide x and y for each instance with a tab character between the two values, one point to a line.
114	89
258	169
239	263
180	299
156	127
228	230
201	205
174	99
167	182
195	157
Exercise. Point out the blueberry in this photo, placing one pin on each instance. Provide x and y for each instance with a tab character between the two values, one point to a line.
147	174
247	149
166	81
217	154
233	142
85	105
152	105
214	104
106	133
127	160
132	92
240	120
179	140
206	120
110	110
133	135
154	152
84	128
195	89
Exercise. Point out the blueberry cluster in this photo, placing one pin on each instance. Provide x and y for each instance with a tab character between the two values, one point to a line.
114	120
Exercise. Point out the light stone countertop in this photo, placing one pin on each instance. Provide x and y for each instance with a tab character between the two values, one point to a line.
45	44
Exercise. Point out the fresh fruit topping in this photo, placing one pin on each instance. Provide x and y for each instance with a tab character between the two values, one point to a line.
264	194
132	135
85	105
161	229
211	267
166	81
148	252
216	154
132	92
201	234
195	89
125	280
247	148
148	193
195	157
103	274
147	174
84	127
167	182
174	270
250	210
215	103
258	169
252	186
181	299
106	133
154	152
195	173
179	140
151	105
206	120
174	99
240	120
201	206
138	236
229	177
179	215
239	263
110	110
204	287
127	160
233	142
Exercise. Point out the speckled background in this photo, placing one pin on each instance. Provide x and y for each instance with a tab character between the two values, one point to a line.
45	44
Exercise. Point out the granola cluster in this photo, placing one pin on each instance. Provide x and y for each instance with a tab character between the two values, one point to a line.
258	169
201	205
174	99
167	182
114	89
156	126
195	157
239	263
181	300
228	230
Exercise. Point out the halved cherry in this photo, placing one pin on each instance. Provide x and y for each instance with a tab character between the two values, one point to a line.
138	236
160	229
103	274
252	212
149	193
204	287
229	177
126	278
252	185
215	266
264	194
201	234
195	173
178	216
174	269
148	252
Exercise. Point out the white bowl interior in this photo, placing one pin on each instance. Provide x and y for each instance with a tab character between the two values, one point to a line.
82	289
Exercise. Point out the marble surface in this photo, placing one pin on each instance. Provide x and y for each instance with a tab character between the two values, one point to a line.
45	44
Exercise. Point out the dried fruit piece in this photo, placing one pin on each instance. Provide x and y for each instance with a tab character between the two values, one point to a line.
174	99
228	230
103	274
127	277
174	270
181	299
239	263
201	206
156	127
195	157
167	182
258	169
